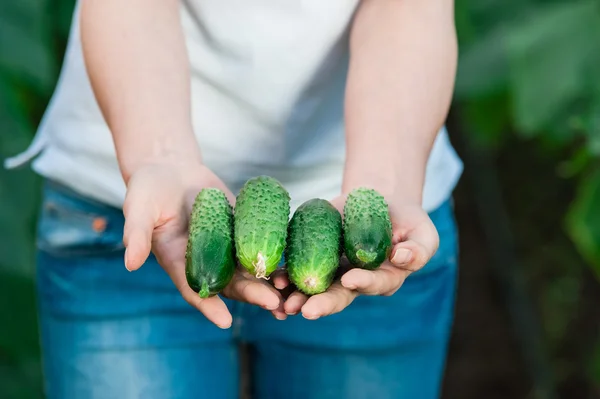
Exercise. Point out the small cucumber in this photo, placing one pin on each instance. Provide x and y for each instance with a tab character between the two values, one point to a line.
314	246
262	212
210	255
367	228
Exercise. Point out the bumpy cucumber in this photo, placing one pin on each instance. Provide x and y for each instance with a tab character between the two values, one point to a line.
367	229
314	246
262	212
210	255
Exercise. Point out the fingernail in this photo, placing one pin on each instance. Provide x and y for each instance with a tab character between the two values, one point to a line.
310	317
271	307
125	260
291	313
402	256
280	317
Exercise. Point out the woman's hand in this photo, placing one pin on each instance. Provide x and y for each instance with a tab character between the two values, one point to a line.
403	57
157	208
415	241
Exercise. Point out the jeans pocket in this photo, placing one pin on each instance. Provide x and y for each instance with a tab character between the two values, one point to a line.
70	225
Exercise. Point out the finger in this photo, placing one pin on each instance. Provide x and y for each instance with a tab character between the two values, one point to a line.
411	255
417	248
383	281
280	279
334	300
140	220
138	243
253	291
213	308
294	303
338	203
243	288
279	313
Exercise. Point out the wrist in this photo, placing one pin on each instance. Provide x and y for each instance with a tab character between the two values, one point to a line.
399	179
183	163
180	153
394	191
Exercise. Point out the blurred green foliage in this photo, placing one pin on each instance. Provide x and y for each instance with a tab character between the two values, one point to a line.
32	40
528	68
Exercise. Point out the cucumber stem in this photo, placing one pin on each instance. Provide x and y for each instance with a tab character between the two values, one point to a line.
310	282
260	266
204	290
366	256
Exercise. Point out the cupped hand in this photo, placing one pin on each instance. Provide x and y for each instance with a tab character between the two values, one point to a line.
415	241
157	207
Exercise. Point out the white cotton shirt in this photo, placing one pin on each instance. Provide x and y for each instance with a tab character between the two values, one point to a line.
267	84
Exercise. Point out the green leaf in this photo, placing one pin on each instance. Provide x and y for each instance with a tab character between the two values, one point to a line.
483	67
24	45
577	164
482	28
19	194
592	124
19	189
18	335
62	15
548	55
22	380
20	371
487	118
583	219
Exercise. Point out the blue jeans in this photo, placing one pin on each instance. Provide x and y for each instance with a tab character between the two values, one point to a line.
107	333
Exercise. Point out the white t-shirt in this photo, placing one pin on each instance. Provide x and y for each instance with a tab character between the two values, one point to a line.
267	85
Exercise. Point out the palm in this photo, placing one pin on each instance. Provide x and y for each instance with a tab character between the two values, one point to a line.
157	210
415	240
169	245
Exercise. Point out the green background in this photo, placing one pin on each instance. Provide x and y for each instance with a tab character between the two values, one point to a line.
526	121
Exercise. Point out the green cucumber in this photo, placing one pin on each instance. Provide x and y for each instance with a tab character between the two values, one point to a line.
261	216
367	229
314	246
210	254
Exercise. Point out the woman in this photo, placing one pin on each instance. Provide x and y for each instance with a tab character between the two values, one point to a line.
158	99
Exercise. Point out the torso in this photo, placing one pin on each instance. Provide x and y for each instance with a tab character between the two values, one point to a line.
267	98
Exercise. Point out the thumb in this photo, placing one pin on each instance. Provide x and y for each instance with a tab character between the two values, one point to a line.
141	216
417	249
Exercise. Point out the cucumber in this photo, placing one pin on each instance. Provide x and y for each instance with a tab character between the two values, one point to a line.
210	255
314	246
367	229
261	216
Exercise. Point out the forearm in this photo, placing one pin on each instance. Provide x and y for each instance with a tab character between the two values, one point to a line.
403	57
137	63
